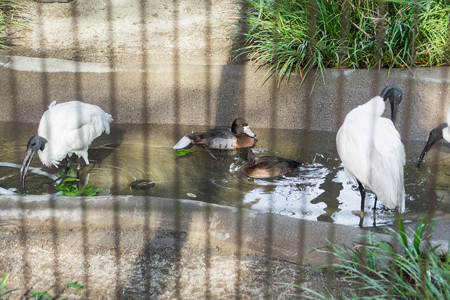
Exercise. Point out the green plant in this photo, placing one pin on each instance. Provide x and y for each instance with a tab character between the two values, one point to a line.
9	17
41	296
292	37
3	286
182	152
380	270
69	186
75	285
45	296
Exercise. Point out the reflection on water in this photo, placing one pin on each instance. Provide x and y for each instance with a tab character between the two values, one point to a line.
319	190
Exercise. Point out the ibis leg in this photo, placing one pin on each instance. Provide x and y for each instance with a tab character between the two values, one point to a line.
374	219
374	212
78	171
68	164
363	194
375	205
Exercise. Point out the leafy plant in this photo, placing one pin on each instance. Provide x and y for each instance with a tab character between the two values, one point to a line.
9	17
45	296
3	286
182	152
379	270
75	285
296	37
69	186
41	296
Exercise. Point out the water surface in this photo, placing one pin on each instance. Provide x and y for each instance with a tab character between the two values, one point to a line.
319	190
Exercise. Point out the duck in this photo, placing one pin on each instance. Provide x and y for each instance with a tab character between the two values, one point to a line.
371	150
238	136
437	134
267	166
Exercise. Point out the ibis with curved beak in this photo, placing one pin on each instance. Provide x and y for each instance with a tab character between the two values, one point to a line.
65	129
371	150
438	133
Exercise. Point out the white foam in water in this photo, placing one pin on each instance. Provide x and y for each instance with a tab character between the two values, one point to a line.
291	196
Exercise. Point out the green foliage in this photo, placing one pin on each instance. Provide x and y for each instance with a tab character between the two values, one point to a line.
75	285
298	36
69	186
9	17
380	270
3	286
45	296
182	152
41	296
37	295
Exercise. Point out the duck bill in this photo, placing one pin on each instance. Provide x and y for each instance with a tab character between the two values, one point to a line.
248	131
428	146
24	168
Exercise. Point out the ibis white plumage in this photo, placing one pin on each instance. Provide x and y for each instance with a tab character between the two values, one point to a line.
438	133
65	129
371	150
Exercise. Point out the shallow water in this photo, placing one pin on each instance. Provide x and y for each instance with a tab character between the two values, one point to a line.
319	190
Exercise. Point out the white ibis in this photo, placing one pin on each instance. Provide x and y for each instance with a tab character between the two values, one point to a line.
240	136
438	133
65	129
371	150
267	166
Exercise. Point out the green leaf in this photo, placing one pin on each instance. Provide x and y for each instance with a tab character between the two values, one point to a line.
41	296
75	285
3	281
182	152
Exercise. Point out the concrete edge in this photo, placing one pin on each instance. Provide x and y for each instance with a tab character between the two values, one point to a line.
233	230
56	65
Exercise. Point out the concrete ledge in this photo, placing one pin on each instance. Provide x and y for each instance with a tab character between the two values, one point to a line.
215	95
233	230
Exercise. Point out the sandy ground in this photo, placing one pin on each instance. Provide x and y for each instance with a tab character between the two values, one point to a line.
164	269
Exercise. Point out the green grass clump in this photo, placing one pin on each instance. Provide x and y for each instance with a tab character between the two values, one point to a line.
3	286
45	296
36	295
298	36
9	17
378	270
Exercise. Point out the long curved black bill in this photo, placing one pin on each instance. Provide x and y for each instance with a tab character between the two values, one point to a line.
394	110
428	146
394	94
435	135
24	168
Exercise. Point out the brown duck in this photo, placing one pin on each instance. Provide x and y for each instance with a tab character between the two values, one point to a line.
239	136
267	166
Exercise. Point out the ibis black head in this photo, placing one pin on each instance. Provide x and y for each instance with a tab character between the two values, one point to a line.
394	94
35	144
435	135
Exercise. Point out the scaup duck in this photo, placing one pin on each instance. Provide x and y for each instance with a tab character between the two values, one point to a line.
267	166
240	136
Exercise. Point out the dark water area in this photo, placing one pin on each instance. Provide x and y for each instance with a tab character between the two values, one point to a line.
139	160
